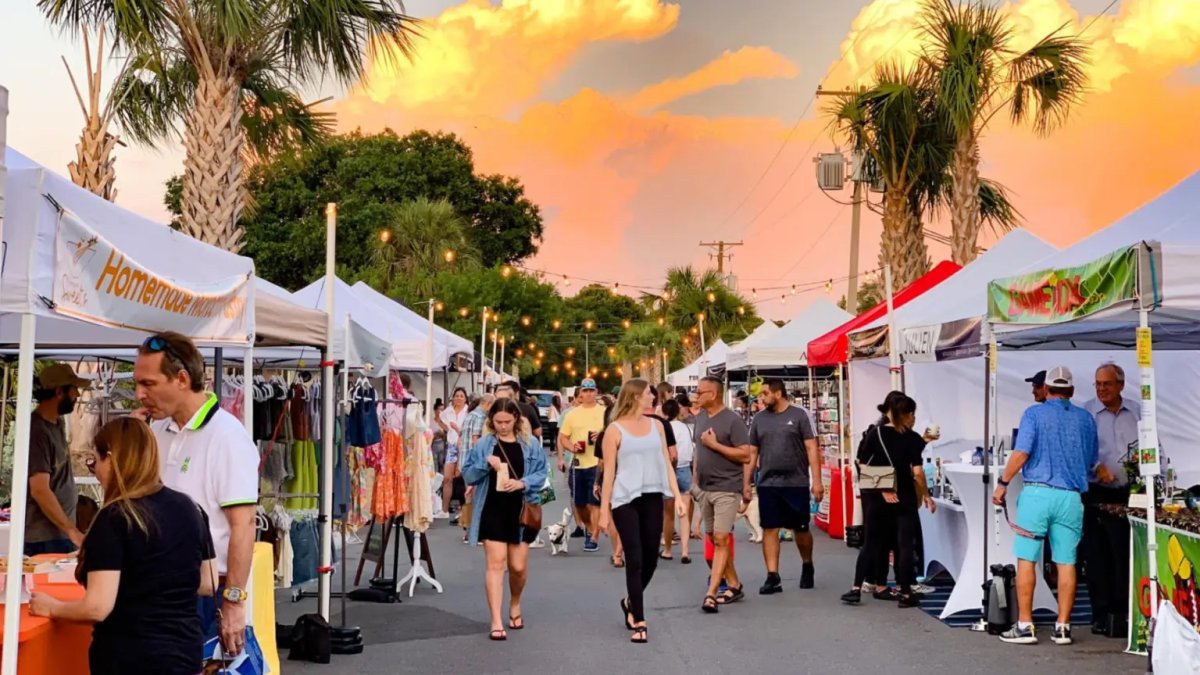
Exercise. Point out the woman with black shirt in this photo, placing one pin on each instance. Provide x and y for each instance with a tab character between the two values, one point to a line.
890	516
144	560
507	468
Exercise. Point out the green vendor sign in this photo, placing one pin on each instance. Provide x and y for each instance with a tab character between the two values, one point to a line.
1178	568
1058	295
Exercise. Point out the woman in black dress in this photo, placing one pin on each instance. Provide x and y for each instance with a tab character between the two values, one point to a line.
507	468
144	560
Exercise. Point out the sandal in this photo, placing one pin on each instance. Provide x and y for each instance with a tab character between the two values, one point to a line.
640	636
663	556
731	596
498	635
685	560
618	561
512	622
710	605
627	614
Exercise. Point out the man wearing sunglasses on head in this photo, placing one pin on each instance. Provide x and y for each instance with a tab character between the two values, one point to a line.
208	455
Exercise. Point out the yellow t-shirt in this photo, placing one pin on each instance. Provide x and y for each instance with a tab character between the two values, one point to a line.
577	425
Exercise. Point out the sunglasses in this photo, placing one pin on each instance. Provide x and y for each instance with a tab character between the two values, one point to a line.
157	344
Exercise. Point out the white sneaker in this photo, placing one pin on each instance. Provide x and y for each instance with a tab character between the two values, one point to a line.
538	543
868	588
1062	635
441	515
922	589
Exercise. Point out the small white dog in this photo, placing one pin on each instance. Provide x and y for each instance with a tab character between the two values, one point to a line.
749	513
558	534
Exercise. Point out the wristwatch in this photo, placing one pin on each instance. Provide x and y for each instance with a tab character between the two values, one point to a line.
1002	482
234	594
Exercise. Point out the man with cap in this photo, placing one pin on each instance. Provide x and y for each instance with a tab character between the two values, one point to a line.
1056	450
577	434
50	512
1039	386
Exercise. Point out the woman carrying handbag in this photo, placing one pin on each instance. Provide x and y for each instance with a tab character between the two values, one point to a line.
892	484
637	476
507	468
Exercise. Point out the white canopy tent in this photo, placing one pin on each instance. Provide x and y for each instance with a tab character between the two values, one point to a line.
785	347
690	374
454	343
81	271
408	345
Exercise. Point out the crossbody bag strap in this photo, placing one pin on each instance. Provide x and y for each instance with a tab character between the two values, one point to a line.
883	445
506	459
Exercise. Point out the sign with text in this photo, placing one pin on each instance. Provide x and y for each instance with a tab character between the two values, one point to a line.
1058	295
1178	557
96	282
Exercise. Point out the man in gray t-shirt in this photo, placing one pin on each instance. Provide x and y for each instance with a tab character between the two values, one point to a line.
785	451
53	497
723	453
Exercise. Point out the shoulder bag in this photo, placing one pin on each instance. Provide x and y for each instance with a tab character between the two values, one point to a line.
877	477
531	514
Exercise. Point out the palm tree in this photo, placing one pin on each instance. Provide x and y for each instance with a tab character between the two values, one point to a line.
423	238
645	342
977	75
209	64
94	168
687	295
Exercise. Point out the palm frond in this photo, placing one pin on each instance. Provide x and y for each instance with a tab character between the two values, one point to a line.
134	22
1049	79
996	209
276	120
967	43
329	37
152	94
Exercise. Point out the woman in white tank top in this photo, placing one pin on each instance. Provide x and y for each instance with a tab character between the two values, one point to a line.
637	476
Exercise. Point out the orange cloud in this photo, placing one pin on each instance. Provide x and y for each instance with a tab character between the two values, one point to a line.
727	69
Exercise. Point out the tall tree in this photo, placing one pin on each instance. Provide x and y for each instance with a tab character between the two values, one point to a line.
94	168
205	64
977	74
688	294
423	238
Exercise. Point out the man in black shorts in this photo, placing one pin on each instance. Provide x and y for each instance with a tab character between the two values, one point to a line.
785	450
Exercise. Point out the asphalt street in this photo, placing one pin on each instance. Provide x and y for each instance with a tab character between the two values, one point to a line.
574	624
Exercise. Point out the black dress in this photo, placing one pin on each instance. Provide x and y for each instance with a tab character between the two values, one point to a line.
501	518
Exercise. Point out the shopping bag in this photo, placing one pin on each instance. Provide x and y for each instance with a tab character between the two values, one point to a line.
249	662
1176	643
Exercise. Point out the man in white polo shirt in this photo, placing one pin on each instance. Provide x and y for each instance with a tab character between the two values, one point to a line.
209	456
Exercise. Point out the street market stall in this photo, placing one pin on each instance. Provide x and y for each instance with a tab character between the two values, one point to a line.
785	348
690	375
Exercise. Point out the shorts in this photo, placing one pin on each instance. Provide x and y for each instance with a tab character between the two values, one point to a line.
718	510
1052	514
683	476
786	508
451	454
710	551
582	482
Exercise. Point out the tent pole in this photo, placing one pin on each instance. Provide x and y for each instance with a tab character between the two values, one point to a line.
429	370
989	369
248	388
3	413
1148	431
218	376
328	389
483	352
20	494
893	343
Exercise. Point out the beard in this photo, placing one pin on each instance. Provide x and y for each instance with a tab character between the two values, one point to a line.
66	406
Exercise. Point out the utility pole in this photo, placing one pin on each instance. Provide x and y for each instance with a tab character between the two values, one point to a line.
855	219
721	255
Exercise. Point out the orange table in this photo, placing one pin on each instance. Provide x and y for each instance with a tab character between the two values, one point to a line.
52	646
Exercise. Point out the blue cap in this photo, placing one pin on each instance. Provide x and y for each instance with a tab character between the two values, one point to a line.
587	383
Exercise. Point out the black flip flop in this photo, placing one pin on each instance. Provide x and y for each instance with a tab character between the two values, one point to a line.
512	620
498	636
685	560
625	613
645	635
710	608
664	556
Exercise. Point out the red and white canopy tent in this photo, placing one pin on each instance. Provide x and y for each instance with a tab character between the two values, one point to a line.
832	350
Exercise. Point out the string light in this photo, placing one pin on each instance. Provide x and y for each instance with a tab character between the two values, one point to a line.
712	297
793	289
686	341
541	354
589	324
829	285
449	255
537	363
604	375
531	346
570	351
612	351
700	316
662	321
556	324
554	368
741	310
506	271
783	299
754	293
520	352
569	366
385	236
626	324
439	306
525	321
566	281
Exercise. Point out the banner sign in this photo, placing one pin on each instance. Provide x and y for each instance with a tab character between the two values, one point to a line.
1059	295
941	342
96	282
1178	561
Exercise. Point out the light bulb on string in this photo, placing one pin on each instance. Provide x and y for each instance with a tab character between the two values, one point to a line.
589	324
566	281
793	289
506	271
782	299
754	293
556	324
829	285
531	345
712	297
525	321
541	354
741	310
439	306
464	312
385	236
554	368
570	351
519	352
612	351
661	321
449	255
626	324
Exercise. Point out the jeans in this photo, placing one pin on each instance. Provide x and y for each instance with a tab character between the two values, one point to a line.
51	546
639	524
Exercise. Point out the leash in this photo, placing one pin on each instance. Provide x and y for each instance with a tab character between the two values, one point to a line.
1017	528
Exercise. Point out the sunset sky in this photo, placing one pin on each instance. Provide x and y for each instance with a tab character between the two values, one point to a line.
642	127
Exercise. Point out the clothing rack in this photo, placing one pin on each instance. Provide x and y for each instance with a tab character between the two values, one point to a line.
418	571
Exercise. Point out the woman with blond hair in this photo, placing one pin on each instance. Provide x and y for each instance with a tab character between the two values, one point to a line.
637	476
506	470
143	562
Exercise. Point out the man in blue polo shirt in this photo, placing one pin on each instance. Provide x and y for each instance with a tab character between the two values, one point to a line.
1056	449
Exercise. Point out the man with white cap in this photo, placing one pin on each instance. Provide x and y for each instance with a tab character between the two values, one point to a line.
1056	449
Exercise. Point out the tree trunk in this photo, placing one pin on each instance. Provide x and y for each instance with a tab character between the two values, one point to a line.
627	370
902	244
93	168
213	196
964	200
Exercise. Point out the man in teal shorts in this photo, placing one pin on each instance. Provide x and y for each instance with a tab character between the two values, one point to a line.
1056	448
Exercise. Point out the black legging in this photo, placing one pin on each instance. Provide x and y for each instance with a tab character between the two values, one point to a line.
639	524
885	526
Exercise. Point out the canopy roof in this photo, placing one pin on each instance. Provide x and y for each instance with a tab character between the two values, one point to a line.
1165	275
944	322
279	321
408	345
690	374
786	346
833	347
453	342
32	267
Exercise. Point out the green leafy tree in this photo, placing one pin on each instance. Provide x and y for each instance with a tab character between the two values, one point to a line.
870	293
424	237
226	74
688	294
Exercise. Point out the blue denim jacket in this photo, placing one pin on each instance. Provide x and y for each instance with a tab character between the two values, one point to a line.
477	473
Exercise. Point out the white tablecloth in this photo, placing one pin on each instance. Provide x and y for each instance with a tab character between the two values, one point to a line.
945	536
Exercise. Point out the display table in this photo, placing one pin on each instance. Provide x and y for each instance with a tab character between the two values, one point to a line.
944	534
49	646
1178	539
976	498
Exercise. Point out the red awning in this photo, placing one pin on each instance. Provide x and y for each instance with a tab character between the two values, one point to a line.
833	347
